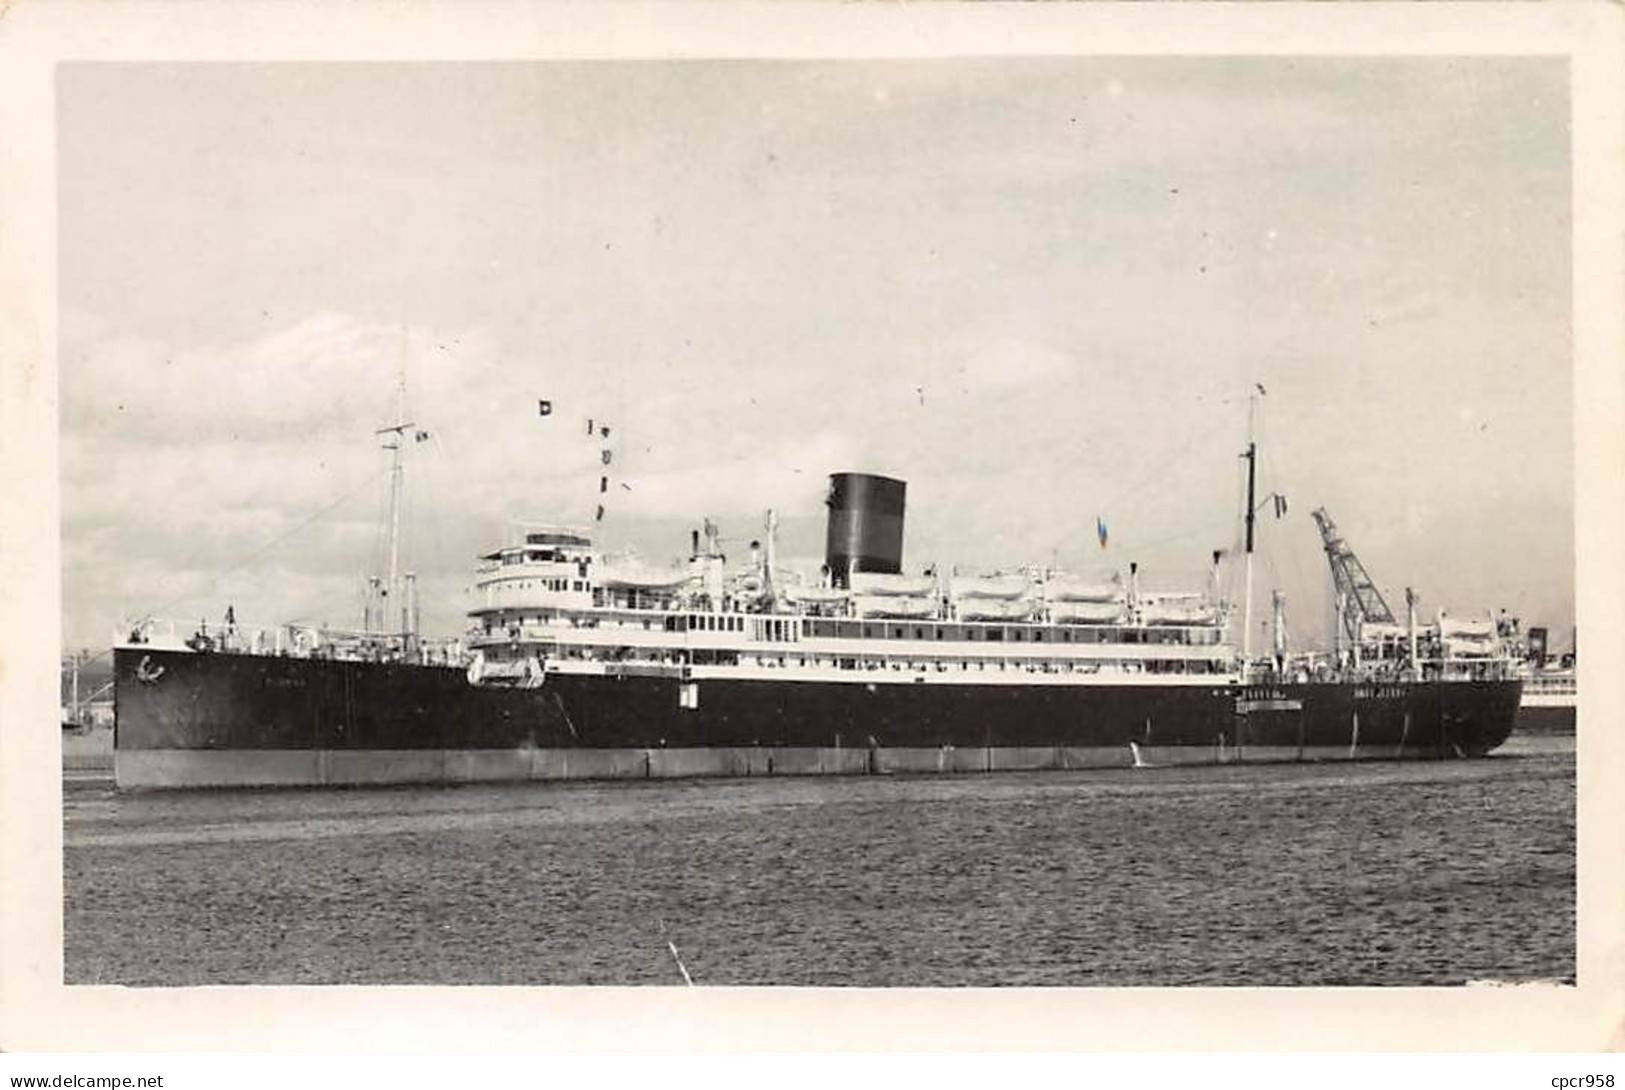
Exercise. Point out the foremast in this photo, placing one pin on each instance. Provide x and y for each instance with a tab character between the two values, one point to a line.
391	607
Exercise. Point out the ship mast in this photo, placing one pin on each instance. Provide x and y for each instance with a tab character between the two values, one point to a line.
396	441
1247	562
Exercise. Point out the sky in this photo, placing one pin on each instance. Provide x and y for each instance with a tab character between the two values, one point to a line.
1038	289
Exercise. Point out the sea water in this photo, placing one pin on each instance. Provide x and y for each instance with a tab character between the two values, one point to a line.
1357	874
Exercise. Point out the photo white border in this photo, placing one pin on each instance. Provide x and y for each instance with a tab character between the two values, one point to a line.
37	1012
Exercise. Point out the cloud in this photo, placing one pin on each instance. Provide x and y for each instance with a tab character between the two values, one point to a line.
326	375
1034	300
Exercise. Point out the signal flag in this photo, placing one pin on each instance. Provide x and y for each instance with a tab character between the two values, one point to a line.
1100	530
544	408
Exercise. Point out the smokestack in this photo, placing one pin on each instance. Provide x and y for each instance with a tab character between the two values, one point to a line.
865	528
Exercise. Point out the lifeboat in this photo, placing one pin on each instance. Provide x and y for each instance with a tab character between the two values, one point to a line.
1087	612
1452	629
1467	638
526	673
989	586
895	605
1077	590
1179	611
795	593
881	583
993	609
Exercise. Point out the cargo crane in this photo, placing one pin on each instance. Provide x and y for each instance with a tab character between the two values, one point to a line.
1359	599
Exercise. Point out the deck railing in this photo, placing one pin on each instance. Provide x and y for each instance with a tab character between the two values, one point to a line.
294	641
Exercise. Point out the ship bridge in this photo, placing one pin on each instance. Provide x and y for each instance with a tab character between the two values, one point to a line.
549	567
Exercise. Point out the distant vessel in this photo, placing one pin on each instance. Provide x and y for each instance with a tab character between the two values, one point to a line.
1550	691
1550	699
87	692
579	665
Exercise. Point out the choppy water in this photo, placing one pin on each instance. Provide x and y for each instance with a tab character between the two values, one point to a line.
1420	873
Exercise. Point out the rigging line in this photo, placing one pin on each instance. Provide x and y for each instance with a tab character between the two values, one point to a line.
1219	421
1167	463
1280	485
267	547
380	542
1140	546
1294	559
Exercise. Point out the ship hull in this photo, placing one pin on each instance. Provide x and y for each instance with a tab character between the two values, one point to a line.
195	720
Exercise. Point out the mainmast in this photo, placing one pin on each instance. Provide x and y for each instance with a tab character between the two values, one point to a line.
1247	563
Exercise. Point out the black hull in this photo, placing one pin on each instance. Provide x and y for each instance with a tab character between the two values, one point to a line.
181	713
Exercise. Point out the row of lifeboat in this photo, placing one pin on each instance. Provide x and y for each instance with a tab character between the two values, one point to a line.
1014	597
1019	597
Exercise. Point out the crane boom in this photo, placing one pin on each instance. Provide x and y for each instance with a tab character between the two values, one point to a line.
1350	578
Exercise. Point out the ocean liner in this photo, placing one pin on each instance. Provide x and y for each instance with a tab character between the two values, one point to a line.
579	665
